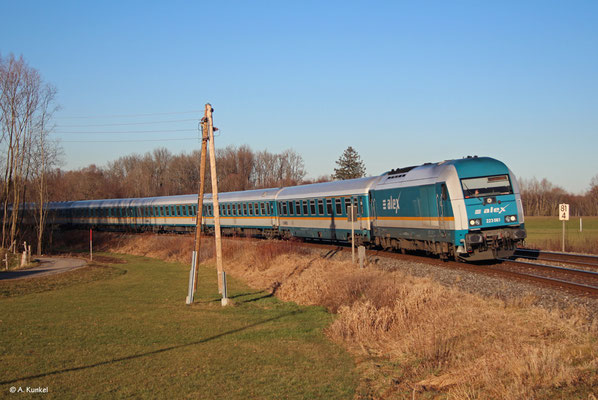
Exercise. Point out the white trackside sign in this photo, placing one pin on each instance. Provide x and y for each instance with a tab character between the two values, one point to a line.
564	212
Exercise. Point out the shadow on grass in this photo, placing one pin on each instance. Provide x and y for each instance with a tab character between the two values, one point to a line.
150	353
217	300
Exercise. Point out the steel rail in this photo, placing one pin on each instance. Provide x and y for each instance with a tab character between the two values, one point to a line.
572	258
553	267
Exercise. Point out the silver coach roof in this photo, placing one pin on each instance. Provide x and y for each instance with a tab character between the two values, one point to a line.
329	189
249	195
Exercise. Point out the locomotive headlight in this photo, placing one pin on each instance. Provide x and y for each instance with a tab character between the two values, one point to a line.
511	218
475	222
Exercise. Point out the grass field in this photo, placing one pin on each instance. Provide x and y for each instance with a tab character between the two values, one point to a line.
546	233
130	335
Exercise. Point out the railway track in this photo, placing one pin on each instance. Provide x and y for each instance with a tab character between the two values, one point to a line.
578	281
553	256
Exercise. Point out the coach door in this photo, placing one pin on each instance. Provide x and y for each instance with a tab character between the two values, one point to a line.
442	204
373	215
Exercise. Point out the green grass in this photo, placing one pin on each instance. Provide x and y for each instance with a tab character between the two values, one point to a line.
132	336
547	233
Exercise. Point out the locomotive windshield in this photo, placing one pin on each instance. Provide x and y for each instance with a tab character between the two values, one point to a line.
486	186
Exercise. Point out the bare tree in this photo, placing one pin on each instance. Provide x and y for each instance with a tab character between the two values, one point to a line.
26	106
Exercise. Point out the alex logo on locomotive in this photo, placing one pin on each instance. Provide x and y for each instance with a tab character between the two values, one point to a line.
492	210
392	204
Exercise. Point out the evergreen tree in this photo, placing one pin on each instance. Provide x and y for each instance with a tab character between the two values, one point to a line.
350	165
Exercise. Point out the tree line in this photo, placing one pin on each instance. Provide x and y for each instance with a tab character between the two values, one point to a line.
161	173
541	198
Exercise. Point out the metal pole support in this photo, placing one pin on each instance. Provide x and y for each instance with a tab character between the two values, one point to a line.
189	300
224	290
563	236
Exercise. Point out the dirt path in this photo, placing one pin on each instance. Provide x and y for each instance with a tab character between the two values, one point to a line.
47	266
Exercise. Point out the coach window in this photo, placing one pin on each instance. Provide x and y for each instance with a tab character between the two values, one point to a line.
339	206
305	207
321	207
360	211
298	207
263	208
312	207
168	211
329	206
284	208
347	204
291	208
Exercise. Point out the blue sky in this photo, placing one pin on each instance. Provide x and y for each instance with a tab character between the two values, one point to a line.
402	82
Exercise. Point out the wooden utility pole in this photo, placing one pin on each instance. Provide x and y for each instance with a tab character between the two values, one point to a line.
202	178
215	203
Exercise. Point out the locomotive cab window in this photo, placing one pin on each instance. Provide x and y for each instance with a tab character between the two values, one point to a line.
486	186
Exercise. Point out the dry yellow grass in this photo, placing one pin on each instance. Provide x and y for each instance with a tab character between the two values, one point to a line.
411	335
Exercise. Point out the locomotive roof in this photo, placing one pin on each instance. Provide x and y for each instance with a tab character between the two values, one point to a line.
429	172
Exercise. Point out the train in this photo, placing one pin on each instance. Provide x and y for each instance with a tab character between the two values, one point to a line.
466	209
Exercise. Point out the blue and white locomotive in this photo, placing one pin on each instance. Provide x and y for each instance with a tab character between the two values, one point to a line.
468	209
